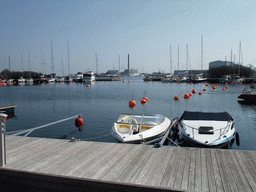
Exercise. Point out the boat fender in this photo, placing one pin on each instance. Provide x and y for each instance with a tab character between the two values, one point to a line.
237	139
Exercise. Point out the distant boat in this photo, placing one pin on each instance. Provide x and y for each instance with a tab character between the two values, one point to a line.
51	80
68	79
21	81
88	76
198	79
79	77
29	81
231	79
248	95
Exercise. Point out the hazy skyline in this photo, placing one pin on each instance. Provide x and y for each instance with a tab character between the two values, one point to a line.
143	29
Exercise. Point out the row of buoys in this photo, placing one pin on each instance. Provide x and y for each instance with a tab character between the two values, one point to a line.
132	103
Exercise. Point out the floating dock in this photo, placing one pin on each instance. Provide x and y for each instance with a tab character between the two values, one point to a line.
9	110
42	164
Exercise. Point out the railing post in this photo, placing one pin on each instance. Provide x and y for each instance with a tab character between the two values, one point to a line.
2	142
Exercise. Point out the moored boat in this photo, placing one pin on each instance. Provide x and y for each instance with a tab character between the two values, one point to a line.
206	129
88	76
248	95
139	128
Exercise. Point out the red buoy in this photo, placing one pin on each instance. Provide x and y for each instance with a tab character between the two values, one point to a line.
200	93
193	91
5	119
213	87
186	96
231	83
235	83
240	83
132	104
204	89
145	98
143	101
190	94
79	122
206	85
191	83
176	98
226	83
224	89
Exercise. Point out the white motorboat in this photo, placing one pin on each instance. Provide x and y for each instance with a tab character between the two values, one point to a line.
29	81
139	128
206	129
88	76
79	77
51	80
68	79
21	81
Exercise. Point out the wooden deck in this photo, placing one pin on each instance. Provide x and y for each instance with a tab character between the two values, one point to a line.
109	166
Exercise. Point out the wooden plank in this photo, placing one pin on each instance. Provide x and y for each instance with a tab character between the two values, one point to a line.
205	185
169	167
152	173
180	172
192	167
234	171
135	167
250	163
185	178
215	182
148	164
246	172
228	173
160	170
222	166
198	176
113	161
240	172
175	168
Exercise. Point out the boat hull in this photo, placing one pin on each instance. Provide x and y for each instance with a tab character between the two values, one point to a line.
248	97
188	141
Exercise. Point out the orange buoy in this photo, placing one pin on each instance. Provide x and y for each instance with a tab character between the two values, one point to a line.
200	93
235	83
204	89
145	81
191	82
134	81
143	101
240	83
190	94
193	91
186	96
152	81
224	89
129	82
231	83
226	83
159	82
213	87
79	122
176	98
132	104
145	98
206	85
178	82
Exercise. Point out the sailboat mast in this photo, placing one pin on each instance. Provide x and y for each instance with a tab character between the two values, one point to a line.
119	63
239	57
187	55
52	68
9	64
62	66
29	65
68	60
178	60
201	52
171	59
43	66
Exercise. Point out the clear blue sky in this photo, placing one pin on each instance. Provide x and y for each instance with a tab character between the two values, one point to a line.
143	28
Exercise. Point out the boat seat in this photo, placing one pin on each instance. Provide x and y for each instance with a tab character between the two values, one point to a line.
206	130
145	127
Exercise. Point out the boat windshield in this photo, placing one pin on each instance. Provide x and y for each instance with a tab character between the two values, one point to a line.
212	116
141	119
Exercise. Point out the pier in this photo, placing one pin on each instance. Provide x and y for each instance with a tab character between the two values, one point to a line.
9	110
42	164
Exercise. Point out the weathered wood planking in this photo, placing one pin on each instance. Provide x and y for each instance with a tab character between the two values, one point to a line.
191	169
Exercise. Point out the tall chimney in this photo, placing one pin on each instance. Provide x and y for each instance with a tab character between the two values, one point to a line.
128	63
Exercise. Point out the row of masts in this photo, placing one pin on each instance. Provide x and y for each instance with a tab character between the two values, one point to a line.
188	59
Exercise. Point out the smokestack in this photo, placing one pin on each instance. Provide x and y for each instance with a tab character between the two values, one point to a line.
128	63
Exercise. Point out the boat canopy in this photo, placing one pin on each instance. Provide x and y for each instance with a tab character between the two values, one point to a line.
212	116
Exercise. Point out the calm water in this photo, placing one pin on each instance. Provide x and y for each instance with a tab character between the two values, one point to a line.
103	102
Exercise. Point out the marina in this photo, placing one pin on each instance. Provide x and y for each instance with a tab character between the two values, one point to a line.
51	164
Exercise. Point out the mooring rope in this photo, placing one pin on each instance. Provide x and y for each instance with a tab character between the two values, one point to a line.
28	131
